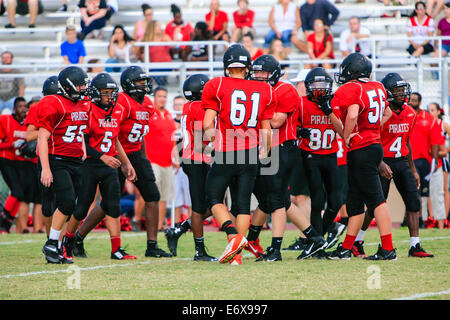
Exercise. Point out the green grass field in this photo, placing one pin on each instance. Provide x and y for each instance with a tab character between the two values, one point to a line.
24	274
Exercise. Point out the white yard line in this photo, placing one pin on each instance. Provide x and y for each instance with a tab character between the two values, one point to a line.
424	295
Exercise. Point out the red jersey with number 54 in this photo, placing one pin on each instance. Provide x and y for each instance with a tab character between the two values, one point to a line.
396	131
67	121
241	106
136	125
370	96
103	130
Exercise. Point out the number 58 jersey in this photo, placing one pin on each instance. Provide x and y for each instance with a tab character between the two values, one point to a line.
136	125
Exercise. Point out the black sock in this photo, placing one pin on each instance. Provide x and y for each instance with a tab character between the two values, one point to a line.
344	221
199	243
152	244
185	225
276	242
310	232
253	232
78	237
229	228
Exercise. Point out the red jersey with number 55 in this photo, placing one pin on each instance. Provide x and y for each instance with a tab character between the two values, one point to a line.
323	136
396	131
287	102
370	96
104	131
67	121
136	125
241	106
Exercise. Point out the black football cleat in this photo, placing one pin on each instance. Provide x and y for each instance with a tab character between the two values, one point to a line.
320	255
172	236
156	252
51	252
298	245
67	244
271	255
358	249
334	232
314	244
419	252
340	253
120	254
6	221
201	255
78	249
383	254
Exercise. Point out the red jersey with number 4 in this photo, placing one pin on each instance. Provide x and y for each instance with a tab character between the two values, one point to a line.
287	102
241	106
136	125
426	132
11	131
323	136
191	122
370	96
104	131
67	121
396	131
342	152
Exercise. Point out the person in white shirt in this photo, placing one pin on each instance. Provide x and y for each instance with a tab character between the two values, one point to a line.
421	25
355	39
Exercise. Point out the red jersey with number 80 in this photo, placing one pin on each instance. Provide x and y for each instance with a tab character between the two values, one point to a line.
136	125
396	131
323	136
103	132
370	96
241	106
67	121
287	102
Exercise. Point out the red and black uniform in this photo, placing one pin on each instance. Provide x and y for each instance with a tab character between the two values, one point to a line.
67	121
241	105
365	151
132	133
319	153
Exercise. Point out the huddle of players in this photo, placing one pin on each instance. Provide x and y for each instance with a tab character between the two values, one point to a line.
236	114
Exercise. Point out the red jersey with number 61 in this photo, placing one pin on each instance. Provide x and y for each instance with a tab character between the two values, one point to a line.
67	121
241	106
104	131
287	102
136	125
396	131
370	96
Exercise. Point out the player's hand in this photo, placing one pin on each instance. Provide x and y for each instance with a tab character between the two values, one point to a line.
111	161
129	172
352	138
46	177
417	178
385	170
18	143
304	133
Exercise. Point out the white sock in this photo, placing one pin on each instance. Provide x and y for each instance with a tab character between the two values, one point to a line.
413	241
360	236
54	234
424	201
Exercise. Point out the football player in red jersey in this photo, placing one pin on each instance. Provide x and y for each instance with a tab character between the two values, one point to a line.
243	108
196	164
105	155
362	105
62	124
397	163
136	86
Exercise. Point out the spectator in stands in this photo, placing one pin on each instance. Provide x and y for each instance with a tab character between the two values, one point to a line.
434	7
353	39
120	48
201	33
179	30
243	21
23	7
95	69
72	50
320	45
421	25
93	14
284	21
10	88
141	25
277	51
247	41
112	7
314	9
443	29
217	21
160	147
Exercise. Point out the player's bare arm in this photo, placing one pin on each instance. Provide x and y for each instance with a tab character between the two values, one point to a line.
46	175
32	133
350	123
208	124
278	120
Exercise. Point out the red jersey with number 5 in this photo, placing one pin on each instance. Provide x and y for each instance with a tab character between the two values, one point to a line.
396	131
370	96
323	136
287	102
241	106
104	131
67	121
136	125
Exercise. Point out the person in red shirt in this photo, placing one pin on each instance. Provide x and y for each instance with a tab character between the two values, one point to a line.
243	21
362	106
320	45
398	164
105	156
217	21
161	150
243	109
178	30
62	124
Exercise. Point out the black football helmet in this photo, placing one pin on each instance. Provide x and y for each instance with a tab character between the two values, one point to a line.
394	80
355	66
271	65
50	86
100	82
193	86
237	56
69	79
132	74
319	85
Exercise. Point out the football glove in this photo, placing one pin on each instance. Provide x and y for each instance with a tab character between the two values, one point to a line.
303	133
